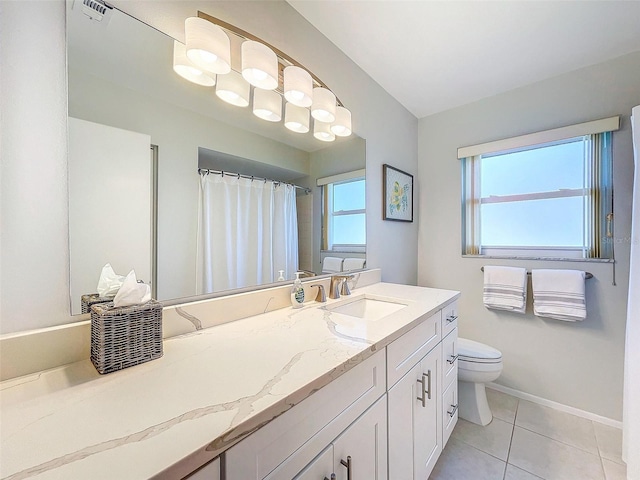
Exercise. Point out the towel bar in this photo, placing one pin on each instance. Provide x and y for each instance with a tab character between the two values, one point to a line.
587	275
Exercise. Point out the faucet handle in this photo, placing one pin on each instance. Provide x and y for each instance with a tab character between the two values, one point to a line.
345	290
321	296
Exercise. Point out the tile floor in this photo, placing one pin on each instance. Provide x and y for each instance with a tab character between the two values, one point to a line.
526	441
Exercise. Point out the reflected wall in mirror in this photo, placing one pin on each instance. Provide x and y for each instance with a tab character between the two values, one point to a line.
120	77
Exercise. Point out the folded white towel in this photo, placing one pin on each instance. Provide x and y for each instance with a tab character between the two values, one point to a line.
559	294
505	288
331	265
352	264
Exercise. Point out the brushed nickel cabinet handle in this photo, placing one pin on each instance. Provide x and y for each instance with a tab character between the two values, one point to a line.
423	396
429	384
452	318
348	465
453	412
451	360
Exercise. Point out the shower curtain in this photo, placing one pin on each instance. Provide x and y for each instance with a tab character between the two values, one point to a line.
631	416
248	230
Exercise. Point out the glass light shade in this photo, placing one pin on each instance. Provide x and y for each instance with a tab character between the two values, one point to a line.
259	65
187	69
296	118
323	107
233	89
267	105
298	86
342	124
207	45
322	131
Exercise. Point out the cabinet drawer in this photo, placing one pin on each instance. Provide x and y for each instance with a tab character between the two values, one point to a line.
211	471
449	318
406	351
450	358
304	431
449	411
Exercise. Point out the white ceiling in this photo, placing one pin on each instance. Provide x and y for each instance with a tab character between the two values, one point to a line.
436	55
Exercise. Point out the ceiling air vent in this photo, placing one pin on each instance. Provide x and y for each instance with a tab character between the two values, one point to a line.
96	10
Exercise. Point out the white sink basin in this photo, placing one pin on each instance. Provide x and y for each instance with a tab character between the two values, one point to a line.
367	307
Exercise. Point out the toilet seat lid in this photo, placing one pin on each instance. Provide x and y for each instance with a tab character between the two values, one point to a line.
476	351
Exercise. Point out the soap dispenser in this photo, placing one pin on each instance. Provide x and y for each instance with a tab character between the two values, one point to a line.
297	292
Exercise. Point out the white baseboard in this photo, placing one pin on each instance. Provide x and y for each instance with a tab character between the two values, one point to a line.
555	405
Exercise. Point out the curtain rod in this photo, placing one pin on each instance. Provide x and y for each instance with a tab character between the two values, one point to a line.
206	171
586	274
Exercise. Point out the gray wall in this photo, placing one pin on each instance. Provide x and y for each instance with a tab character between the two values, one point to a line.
577	364
34	279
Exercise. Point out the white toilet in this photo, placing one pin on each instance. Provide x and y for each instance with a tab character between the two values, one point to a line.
477	364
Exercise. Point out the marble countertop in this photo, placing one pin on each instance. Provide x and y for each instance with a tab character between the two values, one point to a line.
210	389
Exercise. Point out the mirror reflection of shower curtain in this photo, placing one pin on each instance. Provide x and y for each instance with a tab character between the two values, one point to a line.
248	230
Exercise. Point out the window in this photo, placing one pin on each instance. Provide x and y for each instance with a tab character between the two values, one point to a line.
343	226
550	199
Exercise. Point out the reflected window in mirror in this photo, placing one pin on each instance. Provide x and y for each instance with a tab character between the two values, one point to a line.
343	219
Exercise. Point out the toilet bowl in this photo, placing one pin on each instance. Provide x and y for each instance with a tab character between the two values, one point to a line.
478	364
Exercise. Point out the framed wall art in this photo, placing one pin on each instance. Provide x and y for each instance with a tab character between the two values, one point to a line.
397	193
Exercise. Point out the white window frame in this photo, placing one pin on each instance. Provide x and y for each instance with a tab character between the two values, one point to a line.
598	221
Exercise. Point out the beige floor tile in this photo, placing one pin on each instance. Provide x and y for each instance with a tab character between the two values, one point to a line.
551	459
493	439
460	461
570	429
502	406
515	473
613	470
609	442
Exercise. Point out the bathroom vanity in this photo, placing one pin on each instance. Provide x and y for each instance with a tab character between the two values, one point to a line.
363	387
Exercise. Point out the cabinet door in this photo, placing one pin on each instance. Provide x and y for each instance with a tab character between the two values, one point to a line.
415	427
360	452
320	468
428	416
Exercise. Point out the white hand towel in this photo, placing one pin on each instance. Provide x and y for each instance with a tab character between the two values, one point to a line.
332	264
559	294
505	288
352	264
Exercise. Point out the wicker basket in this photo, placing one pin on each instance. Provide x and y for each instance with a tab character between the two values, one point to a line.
91	299
122	337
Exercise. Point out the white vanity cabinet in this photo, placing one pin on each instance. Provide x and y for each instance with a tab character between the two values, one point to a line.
337	416
360	452
388	417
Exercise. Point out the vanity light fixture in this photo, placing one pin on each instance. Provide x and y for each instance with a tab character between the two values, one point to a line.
342	124
233	89
298	86
208	46
259	65
322	131
323	107
206	60
296	118
187	69
267	105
